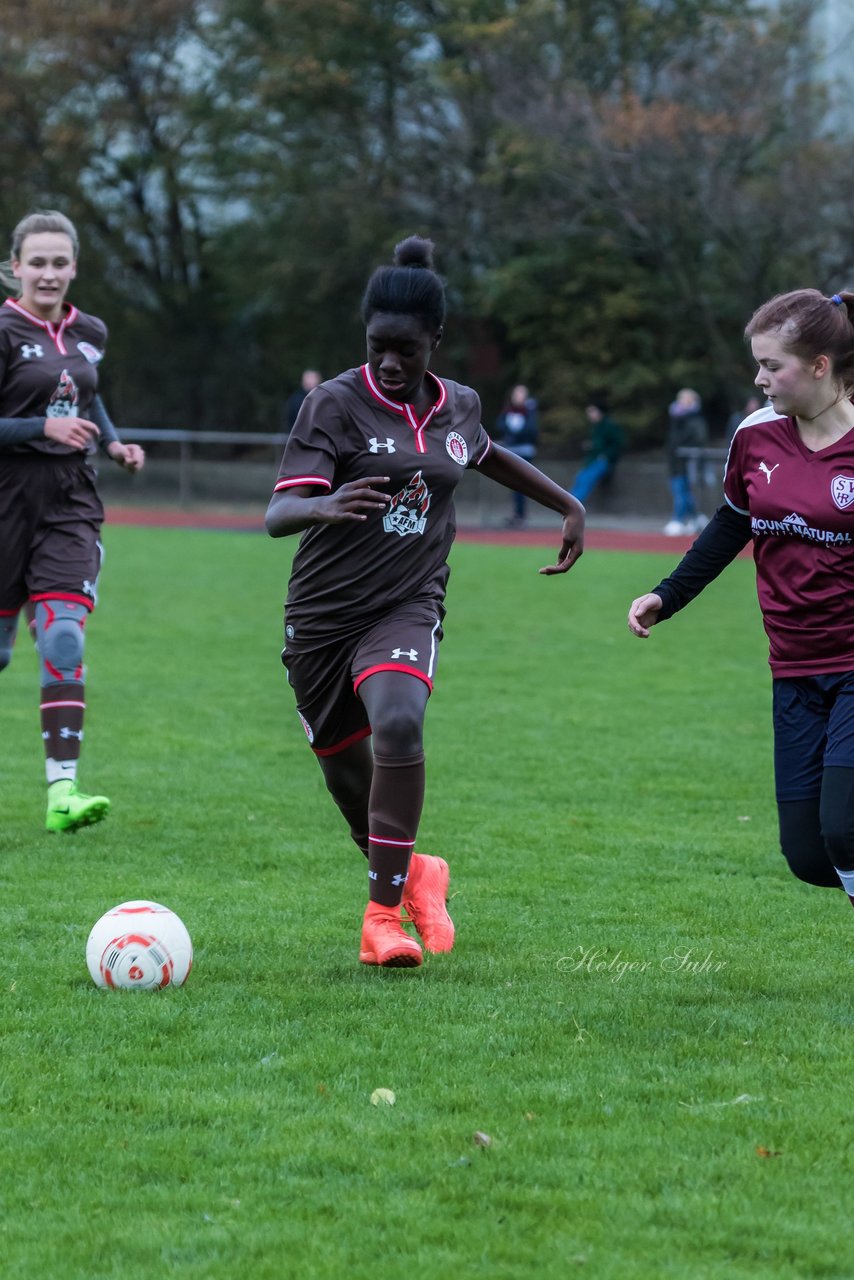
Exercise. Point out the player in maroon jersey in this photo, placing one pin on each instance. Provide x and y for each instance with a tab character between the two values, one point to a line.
368	477
50	514
789	485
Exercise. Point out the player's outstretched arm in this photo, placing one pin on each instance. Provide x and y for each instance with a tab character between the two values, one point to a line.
643	614
513	472
296	509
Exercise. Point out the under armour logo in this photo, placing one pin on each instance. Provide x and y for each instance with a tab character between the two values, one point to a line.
411	654
28	350
767	473
398	880
71	733
376	444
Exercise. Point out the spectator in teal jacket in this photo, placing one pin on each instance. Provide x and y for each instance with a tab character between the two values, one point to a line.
603	451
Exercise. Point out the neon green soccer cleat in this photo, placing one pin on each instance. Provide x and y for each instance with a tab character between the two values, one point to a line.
68	810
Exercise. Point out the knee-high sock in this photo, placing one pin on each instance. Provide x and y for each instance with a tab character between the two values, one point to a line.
394	811
62	706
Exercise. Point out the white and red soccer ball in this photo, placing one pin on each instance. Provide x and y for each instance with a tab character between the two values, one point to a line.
139	946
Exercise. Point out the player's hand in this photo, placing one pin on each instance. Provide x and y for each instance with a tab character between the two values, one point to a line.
572	547
77	433
355	500
643	614
129	456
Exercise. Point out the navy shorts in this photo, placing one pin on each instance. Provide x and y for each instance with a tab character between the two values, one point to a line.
326	679
813	728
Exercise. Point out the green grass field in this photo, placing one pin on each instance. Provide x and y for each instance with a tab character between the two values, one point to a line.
648	1016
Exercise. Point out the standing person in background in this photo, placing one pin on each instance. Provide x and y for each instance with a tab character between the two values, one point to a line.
518	429
602	453
50	514
734	421
789	485
368	477
310	379
687	428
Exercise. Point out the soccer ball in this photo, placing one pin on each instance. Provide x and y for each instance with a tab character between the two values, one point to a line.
140	946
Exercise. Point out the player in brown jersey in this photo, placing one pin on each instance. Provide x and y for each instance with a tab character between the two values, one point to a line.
368	477
50	512
789	485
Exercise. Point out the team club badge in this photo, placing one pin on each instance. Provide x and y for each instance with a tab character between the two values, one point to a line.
63	402
92	354
309	732
842	491
457	448
408	510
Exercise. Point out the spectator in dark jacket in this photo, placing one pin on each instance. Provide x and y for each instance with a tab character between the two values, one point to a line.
687	428
310	379
517	429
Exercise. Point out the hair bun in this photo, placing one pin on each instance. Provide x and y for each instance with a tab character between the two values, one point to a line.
414	251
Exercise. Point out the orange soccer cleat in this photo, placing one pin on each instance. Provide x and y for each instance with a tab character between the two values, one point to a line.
385	941
424	901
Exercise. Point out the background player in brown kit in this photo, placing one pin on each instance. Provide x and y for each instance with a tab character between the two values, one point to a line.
369	474
50	513
789	484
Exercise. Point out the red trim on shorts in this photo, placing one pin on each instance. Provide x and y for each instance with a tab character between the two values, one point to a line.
393	666
344	744
9	613
63	595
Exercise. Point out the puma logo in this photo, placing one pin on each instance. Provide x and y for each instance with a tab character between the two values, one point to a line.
768	472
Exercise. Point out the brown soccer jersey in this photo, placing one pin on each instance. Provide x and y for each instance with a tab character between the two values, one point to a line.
48	370
347	576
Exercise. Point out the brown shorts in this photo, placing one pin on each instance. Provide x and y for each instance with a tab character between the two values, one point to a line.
326	680
50	522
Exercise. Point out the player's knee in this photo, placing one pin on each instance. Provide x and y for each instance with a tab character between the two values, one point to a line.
5	653
837	816
60	645
811	865
839	842
399	731
803	845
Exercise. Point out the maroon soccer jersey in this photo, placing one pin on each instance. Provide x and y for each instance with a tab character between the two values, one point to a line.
347	576
48	370
801	508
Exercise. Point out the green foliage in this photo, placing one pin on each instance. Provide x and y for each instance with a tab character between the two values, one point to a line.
644	1012
612	187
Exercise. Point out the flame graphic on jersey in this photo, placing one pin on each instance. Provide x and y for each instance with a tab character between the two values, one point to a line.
408	510
63	402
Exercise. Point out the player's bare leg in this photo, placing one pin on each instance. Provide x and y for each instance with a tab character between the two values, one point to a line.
349	775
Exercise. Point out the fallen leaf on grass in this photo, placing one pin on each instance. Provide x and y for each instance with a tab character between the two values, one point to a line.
382	1095
735	1102
766	1154
481	1139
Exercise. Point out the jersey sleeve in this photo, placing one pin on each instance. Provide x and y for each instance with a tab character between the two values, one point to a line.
481	447
735	489
480	443
18	430
311	453
102	420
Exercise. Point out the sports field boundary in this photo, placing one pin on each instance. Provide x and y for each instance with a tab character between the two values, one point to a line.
596	539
